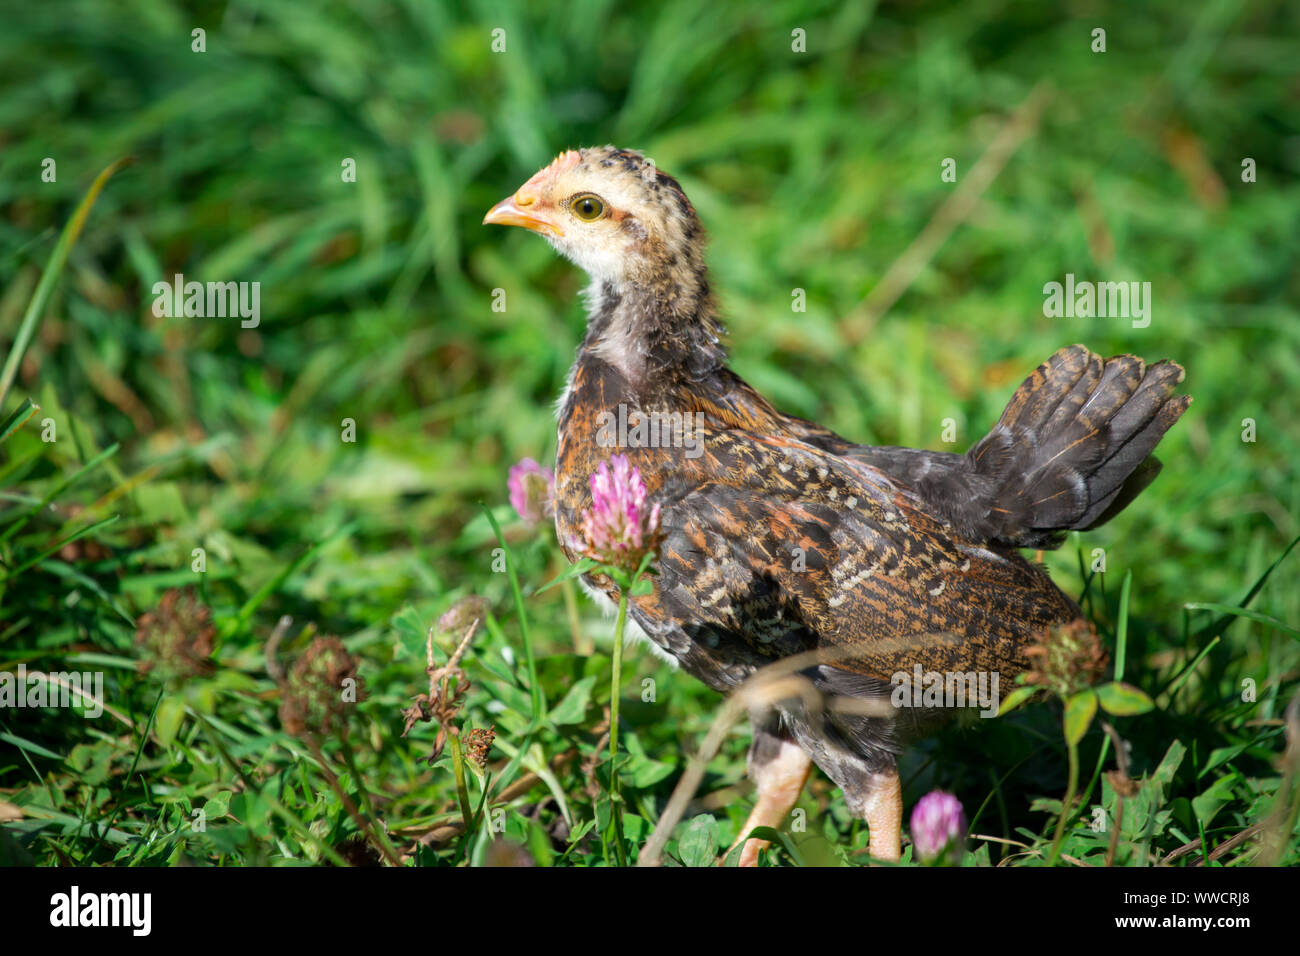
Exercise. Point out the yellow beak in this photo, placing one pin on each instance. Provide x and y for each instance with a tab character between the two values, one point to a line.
508	212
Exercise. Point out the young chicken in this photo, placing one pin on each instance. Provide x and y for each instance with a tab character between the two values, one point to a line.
781	537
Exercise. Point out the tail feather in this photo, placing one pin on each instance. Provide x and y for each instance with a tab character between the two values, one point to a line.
1074	444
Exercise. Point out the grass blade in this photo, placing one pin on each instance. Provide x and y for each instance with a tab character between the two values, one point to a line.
75	536
1220	624
57	490
16	421
1229	610
50	278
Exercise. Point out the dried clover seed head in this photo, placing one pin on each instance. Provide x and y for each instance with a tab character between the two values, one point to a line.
176	638
321	689
1067	659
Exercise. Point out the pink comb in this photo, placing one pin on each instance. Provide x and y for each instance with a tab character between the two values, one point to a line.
566	160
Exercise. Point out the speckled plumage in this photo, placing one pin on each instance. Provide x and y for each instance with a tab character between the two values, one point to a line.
783	537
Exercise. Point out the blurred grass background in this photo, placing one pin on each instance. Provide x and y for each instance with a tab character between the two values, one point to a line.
811	170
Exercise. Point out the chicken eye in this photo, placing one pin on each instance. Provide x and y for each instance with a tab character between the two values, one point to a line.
587	208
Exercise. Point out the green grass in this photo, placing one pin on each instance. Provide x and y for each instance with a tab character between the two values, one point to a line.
812	171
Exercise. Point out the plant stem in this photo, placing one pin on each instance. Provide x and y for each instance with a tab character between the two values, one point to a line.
366	827
1071	785
536	697
1121	763
458	765
580	644
367	806
615	690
